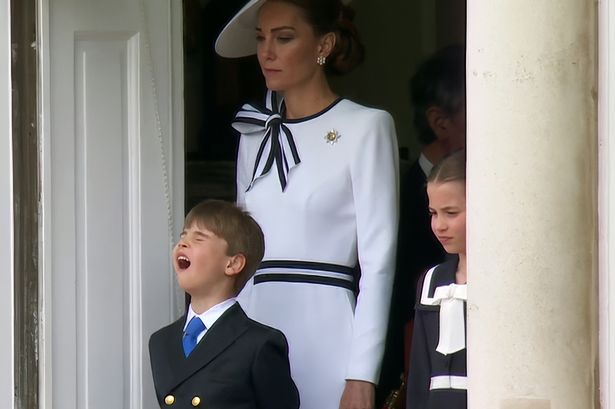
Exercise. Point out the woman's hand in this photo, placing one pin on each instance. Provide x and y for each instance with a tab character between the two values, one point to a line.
358	395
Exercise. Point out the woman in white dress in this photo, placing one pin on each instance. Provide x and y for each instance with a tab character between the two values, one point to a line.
319	174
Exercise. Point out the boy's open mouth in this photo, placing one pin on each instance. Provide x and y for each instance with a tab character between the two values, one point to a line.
183	262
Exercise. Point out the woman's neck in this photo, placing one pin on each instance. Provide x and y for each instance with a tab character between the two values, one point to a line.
461	276
308	100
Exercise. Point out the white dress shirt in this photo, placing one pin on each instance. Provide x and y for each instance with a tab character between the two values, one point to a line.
425	164
210	316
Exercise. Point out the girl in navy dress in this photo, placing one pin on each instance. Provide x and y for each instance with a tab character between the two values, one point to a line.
438	377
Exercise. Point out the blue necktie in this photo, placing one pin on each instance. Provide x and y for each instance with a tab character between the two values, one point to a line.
194	328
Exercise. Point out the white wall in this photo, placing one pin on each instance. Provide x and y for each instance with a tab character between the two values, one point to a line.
6	214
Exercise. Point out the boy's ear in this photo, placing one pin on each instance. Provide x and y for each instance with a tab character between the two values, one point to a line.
235	264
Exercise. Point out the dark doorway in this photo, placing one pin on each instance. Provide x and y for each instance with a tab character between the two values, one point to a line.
214	89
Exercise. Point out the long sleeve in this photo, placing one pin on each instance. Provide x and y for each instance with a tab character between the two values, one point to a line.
374	174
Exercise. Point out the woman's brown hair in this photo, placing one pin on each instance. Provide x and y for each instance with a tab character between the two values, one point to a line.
331	16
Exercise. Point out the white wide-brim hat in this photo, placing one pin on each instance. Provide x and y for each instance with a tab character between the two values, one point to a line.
238	38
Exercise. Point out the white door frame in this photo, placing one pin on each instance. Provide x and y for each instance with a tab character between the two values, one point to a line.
44	283
175	180
606	202
7	363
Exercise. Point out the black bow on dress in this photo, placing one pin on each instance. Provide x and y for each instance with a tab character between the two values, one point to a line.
277	144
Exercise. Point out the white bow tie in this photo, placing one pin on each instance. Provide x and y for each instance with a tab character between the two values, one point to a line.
450	298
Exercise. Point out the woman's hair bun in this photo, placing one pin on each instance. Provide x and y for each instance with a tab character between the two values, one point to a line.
349	51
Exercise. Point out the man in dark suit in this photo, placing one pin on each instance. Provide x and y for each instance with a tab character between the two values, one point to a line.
215	356
437	93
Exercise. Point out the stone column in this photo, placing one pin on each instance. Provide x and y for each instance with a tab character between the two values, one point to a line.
532	182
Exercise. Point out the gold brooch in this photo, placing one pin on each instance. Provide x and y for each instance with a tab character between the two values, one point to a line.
332	136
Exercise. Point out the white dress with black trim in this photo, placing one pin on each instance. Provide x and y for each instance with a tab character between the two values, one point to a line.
324	190
437	378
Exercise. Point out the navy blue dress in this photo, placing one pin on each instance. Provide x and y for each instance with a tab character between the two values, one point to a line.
435	380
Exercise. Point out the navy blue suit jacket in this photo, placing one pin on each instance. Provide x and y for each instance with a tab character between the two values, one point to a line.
239	364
